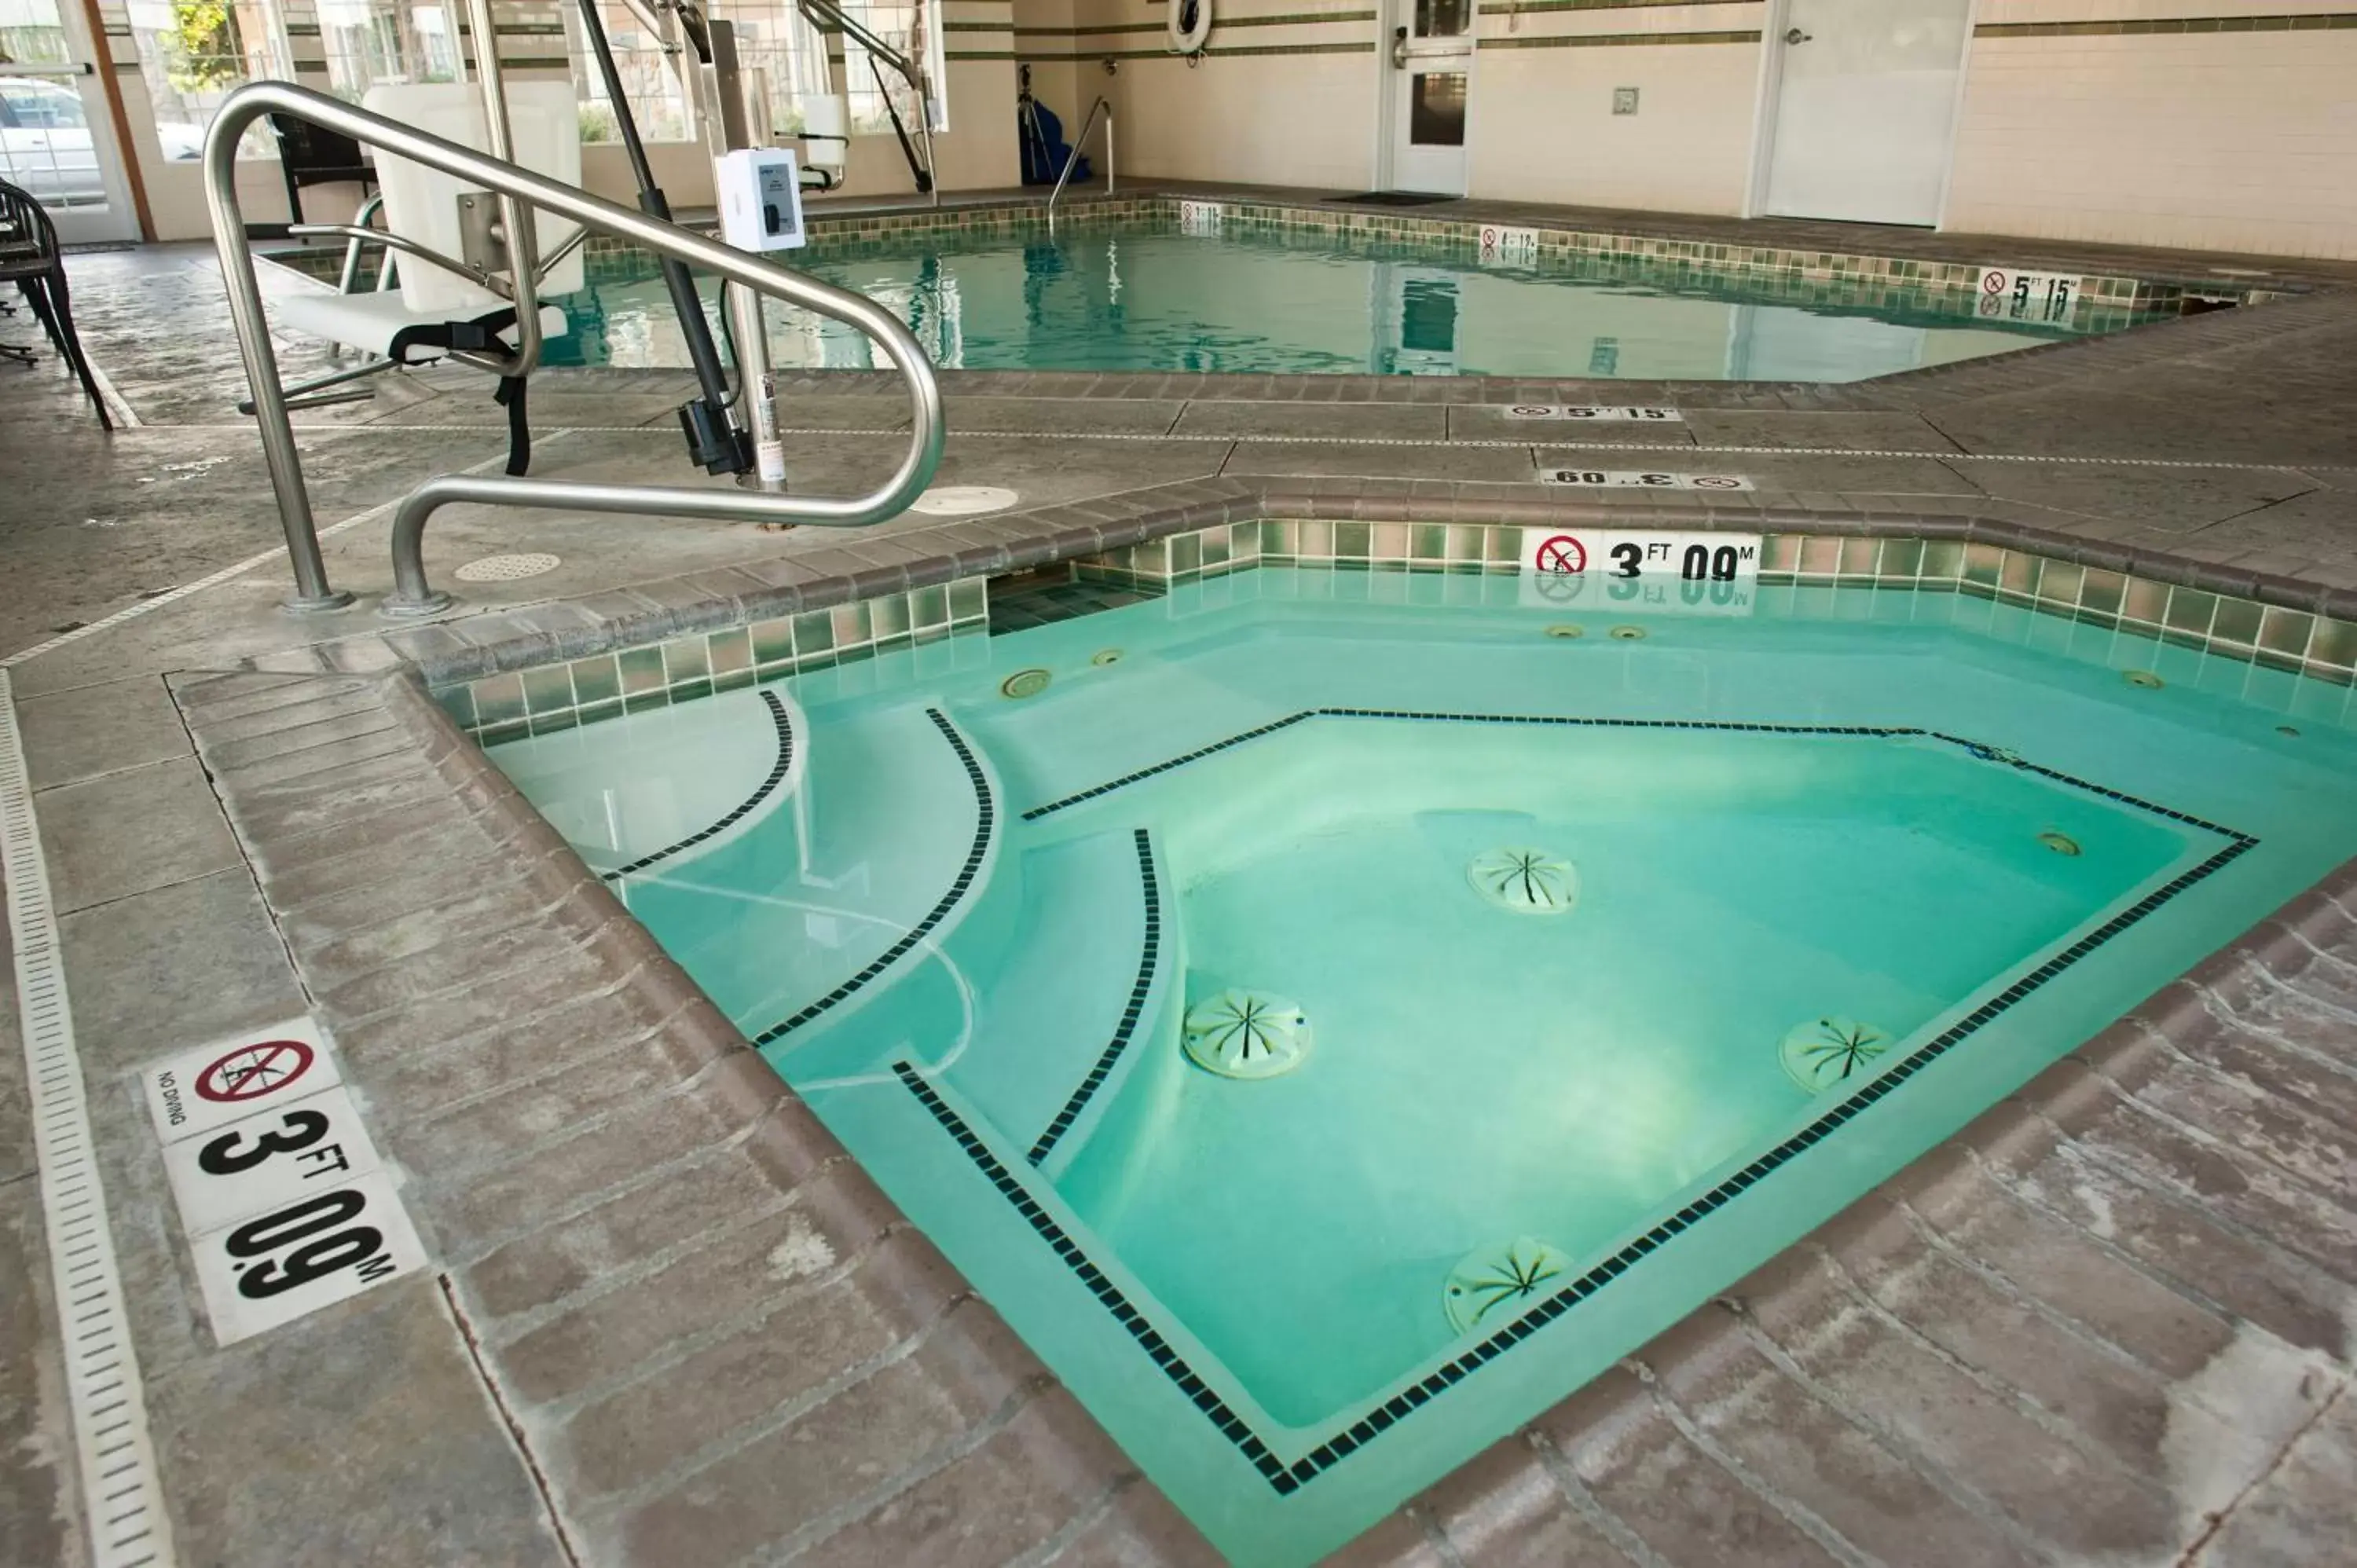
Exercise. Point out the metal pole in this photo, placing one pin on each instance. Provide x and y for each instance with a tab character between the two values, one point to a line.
756	390
250	103
312	592
523	237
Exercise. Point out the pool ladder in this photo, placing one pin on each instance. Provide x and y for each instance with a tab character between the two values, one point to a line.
524	189
1100	109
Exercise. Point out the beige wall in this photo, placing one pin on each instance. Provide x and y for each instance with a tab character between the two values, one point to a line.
2240	141
2203	137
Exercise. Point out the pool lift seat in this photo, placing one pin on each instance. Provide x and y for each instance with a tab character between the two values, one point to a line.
453	297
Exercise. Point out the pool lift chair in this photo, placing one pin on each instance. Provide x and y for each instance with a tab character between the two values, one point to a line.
460	176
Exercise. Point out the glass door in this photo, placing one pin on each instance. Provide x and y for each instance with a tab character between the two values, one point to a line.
57	127
1431	49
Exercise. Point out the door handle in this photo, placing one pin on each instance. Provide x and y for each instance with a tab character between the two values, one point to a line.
1795	36
1399	48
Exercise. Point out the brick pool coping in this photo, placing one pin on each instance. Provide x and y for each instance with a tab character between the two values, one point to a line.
534	1186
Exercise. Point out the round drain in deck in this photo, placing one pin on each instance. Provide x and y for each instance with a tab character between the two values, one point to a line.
962	500
1527	881
1247	1034
506	568
1825	1053
1025	684
1492	1283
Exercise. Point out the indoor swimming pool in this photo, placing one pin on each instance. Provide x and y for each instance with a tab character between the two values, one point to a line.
1142	295
1333	1014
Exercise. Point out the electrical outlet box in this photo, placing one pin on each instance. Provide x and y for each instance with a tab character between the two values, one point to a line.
761	200
1624	101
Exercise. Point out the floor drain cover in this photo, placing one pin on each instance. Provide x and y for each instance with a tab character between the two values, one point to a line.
506	568
1247	1034
2145	678
1627	633
1104	656
1527	881
1492	1285
960	500
2060	842
1825	1053
1567	630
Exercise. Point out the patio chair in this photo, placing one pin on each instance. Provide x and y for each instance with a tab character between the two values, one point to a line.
29	258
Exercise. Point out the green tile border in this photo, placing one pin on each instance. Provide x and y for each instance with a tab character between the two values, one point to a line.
1776	274
551	697
2225	636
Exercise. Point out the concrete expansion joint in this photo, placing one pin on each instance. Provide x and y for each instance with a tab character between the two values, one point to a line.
2250	1150
2051	1421
690	1463
516	1431
1799	1515
927	1467
1084	1518
2216	1519
1583	1502
2077	1151
2304	998
678	1351
2223	1012
1435	1535
546	1078
583	1203
1892	1441
2019	1295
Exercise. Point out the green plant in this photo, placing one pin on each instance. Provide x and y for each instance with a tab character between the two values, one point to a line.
597	122
205	49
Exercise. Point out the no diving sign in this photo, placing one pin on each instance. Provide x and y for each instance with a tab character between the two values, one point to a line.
286	1207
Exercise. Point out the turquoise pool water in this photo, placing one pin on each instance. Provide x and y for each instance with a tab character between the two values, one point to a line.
1842	867
1142	297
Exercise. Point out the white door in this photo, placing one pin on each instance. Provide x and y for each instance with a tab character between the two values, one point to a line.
1866	110
57	131
1431	55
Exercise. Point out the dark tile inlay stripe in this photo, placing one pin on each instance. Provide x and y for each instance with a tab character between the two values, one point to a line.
777	771
1287	1478
986	813
1148	1338
1111	1056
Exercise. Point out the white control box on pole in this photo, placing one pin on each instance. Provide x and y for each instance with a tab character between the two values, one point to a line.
761	200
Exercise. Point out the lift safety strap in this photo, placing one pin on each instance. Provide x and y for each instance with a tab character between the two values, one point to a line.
479	336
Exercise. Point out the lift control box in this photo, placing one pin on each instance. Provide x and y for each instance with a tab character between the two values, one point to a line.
761	200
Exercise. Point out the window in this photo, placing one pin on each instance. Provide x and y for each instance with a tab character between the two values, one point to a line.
193	52
913	27
370	42
650	80
774	37
42	106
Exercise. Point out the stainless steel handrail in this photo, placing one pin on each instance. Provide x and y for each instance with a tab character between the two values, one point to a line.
1072	159
413	595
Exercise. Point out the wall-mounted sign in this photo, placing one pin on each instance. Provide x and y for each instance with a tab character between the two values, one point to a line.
286	1205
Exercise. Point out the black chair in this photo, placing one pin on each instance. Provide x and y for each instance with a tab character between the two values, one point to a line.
29	257
308	155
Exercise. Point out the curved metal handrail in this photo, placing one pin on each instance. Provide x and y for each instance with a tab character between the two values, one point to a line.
412	594
1072	158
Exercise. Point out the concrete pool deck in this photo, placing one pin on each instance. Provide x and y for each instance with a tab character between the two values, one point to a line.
666	1321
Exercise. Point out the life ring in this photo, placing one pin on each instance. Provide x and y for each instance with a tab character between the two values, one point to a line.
1190	24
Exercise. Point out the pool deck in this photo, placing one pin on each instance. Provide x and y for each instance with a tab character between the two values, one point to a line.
667	1321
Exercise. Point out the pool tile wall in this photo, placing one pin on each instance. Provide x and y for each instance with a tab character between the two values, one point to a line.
2214	640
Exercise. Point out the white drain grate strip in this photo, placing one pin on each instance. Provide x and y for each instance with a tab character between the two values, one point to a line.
120	1493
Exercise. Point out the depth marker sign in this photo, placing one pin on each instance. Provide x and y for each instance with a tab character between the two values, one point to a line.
286	1207
1640	569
